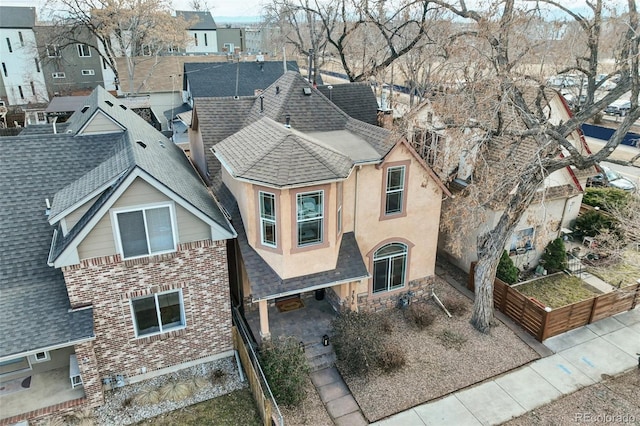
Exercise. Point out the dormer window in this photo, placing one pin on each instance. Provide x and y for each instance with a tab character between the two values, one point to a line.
145	231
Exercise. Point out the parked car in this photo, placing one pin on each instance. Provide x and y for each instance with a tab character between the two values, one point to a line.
619	107
612	179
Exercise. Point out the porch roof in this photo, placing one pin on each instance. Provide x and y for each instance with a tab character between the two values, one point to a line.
266	283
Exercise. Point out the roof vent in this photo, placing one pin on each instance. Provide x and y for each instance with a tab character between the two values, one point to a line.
277	90
287	121
161	144
306	91
261	103
330	87
47	212
123	107
109	103
142	144
84	109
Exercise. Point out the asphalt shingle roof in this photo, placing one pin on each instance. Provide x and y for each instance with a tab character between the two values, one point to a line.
356	99
219	79
34	305
266	283
267	152
203	20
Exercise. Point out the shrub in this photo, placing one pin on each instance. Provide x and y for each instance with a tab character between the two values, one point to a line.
507	271
451	339
420	315
83	417
456	307
286	369
358	338
217	375
199	382
391	358
147	397
592	223
555	256
606	198
176	391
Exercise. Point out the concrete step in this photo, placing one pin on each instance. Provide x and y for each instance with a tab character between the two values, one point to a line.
319	356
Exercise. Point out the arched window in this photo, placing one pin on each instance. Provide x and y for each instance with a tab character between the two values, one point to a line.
389	267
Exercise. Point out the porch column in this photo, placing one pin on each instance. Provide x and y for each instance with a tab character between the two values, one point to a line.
263	306
88	365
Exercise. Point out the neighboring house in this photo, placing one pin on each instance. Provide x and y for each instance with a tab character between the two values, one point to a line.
114	260
262	39
74	69
553	210
320	200
356	99
202	32
21	77
231	40
231	79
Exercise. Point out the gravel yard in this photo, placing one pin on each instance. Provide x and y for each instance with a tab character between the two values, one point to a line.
449	355
118	409
616	401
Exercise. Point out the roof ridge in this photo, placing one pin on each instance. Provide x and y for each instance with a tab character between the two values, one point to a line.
318	157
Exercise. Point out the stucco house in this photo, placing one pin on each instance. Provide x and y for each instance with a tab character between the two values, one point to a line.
557	203
321	201
114	262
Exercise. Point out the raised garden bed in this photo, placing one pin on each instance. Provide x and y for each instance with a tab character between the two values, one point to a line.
557	290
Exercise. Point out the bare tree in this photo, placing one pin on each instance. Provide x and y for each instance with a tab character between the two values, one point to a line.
499	92
138	30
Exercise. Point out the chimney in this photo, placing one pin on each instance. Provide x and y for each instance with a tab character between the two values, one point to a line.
287	121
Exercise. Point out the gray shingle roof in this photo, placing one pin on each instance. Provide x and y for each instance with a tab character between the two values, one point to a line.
17	17
203	20
266	283
139	146
33	298
219	79
356	99
267	152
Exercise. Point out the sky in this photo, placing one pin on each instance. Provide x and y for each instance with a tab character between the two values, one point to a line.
220	8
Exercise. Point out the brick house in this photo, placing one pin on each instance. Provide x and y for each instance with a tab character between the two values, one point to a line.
321	201
134	281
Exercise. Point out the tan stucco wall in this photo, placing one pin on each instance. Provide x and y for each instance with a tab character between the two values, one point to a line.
420	225
101	240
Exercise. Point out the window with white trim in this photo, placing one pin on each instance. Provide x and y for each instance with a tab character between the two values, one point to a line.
146	231
58	75
310	217
88	72
84	51
53	51
267	218
522	241
389	267
41	356
158	313
394	196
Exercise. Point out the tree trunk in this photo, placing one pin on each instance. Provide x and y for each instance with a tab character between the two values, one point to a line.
482	318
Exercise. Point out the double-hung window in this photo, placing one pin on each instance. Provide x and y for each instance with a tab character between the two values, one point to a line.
389	267
268	218
146	231
394	196
310	217
84	51
158	313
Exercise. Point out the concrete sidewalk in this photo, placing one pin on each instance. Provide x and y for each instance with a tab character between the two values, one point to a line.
581	358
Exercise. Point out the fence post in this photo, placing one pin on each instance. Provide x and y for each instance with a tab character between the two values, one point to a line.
542	334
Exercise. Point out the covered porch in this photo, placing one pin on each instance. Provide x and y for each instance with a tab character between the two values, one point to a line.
43	382
308	323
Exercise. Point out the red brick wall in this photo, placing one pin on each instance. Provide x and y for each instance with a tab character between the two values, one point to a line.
108	283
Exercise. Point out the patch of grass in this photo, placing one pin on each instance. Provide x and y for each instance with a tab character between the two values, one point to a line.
234	409
558	290
626	271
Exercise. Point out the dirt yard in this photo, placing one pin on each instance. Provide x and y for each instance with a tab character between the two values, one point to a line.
615	401
449	355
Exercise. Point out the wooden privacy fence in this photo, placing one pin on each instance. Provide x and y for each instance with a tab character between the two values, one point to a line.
544	324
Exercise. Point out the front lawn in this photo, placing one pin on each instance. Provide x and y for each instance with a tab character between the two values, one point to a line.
235	408
558	290
624	273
